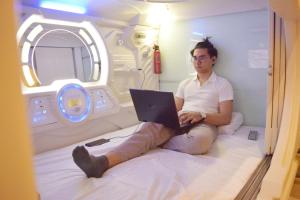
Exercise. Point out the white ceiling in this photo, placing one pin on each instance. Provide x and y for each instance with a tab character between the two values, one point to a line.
125	10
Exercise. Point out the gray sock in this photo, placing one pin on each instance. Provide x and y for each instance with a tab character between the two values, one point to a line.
91	165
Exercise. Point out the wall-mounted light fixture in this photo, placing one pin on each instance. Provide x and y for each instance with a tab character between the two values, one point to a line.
159	14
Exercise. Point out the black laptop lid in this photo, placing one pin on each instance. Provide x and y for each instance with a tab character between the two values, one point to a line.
155	106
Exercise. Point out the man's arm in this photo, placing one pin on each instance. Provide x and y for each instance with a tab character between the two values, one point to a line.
179	103
223	117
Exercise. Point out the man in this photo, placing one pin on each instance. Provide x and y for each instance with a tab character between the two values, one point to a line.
206	97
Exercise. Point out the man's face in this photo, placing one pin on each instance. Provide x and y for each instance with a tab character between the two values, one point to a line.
202	61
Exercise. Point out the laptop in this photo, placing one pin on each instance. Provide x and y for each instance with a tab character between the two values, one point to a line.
159	107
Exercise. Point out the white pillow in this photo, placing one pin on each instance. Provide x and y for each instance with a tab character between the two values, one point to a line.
236	122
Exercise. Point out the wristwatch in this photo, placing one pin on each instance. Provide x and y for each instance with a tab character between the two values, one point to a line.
203	115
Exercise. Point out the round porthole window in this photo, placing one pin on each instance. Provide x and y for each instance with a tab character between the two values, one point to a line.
59	50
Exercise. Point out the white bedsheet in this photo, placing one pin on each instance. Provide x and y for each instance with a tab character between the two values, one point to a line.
159	174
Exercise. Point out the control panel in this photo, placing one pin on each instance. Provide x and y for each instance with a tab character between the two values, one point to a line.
72	104
101	101
40	111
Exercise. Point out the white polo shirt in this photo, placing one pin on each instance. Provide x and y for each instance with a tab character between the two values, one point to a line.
204	98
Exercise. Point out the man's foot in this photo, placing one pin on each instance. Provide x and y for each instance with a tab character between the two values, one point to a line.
91	165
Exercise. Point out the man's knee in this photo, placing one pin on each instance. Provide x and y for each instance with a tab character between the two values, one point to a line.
199	144
189	144
155	133
202	144
203	139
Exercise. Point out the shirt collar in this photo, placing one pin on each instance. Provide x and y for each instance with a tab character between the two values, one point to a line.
212	78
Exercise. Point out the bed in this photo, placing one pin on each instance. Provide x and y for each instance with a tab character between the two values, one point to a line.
158	174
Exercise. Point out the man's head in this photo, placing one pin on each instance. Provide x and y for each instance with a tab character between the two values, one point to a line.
206	44
204	56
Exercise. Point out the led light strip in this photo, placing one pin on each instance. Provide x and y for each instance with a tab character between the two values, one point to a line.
27	74
26	24
85	36
96	71
95	54
63	7
35	32
25	52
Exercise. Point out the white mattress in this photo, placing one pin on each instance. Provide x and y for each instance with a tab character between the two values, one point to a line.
159	174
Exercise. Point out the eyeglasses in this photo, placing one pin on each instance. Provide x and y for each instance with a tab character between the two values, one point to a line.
200	58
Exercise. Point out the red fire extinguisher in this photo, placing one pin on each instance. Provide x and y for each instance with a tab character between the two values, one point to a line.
157	63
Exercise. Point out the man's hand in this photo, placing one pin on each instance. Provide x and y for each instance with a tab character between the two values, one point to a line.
190	117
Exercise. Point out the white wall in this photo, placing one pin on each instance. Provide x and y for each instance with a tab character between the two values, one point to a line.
242	42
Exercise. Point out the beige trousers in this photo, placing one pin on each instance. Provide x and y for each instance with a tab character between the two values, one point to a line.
151	135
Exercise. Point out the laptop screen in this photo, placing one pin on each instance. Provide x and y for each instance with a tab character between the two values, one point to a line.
155	106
